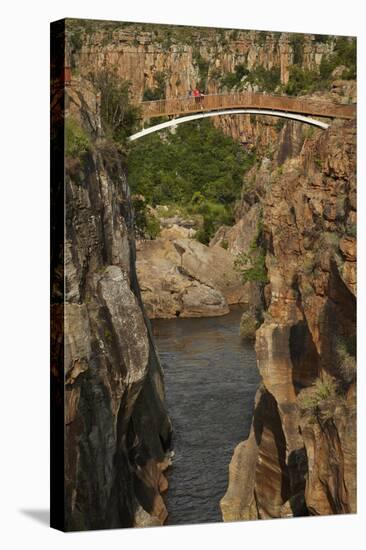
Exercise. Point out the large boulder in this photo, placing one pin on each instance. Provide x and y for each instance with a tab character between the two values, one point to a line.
239	237
183	277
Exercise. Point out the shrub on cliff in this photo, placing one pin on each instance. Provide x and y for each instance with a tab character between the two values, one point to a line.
214	215
202	66
265	79
251	265
321	398
118	117
344	55
297	42
145	223
77	141
302	81
158	92
230	80
346	358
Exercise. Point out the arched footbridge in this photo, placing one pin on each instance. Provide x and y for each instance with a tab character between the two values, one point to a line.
187	109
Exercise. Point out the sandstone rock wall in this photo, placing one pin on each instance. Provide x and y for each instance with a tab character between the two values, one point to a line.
117	432
300	457
184	278
186	56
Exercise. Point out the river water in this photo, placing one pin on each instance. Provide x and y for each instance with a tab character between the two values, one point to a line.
210	379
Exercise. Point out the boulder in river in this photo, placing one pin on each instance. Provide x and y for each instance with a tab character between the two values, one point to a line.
183	277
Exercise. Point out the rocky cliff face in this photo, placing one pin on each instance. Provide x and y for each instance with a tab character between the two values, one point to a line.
300	457
117	431
188	55
175	59
183	278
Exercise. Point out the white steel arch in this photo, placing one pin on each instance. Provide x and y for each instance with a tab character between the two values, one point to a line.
197	116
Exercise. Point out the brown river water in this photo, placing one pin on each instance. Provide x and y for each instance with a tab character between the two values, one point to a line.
211	378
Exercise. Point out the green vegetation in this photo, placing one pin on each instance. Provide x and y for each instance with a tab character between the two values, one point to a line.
320	400
108	335
119	118
214	215
344	54
318	163
203	66
301	80
230	80
215	74
304	81
308	131
261	37
197	168
351	229
297	42
321	38
308	265
266	79
77	142
251	265
158	92
329	239
76	40
346	357
146	224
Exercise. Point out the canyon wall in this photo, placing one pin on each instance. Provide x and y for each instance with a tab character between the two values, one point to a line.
175	59
187	55
300	456
117	432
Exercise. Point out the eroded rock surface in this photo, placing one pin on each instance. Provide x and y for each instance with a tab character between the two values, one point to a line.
300	457
142	53
117	431
182	277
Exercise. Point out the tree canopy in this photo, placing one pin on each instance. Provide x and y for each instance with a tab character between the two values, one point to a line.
197	167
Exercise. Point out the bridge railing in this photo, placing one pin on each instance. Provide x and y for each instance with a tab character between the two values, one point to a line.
212	102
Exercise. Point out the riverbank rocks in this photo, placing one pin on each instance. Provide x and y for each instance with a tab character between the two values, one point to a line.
248	325
183	277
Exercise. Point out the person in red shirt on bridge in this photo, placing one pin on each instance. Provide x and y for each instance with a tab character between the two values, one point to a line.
196	95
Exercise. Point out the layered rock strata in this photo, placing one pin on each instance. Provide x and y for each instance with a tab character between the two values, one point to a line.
180	58
117	431
300	456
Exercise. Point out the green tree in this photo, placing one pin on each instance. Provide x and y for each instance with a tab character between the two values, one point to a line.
197	167
119	118
158	92
77	141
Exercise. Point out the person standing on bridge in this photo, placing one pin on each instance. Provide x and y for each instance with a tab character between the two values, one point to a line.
202	97
196	95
